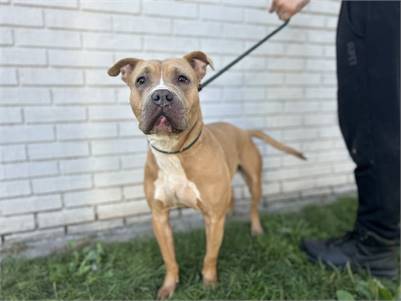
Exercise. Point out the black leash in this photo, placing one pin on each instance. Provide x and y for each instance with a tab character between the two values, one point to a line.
209	80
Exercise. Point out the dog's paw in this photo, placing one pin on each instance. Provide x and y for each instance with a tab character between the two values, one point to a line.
257	231
210	283
165	292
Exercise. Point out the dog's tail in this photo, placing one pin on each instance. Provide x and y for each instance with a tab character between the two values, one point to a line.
276	144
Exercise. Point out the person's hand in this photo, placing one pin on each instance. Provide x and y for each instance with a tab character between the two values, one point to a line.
285	9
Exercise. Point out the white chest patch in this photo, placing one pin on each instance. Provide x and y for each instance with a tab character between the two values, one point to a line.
172	186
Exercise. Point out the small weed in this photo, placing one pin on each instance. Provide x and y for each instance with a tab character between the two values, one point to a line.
85	264
371	289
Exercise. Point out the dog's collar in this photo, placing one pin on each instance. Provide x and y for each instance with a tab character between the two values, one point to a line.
179	151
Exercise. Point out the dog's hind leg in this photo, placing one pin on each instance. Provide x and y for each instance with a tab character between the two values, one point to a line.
251	169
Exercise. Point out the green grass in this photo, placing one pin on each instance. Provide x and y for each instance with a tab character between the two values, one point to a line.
266	267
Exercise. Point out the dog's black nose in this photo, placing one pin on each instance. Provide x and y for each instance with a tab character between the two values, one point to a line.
162	97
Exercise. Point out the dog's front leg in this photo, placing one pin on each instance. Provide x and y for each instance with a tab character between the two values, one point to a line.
164	236
214	236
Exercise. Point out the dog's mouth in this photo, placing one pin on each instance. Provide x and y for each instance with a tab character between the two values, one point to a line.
160	122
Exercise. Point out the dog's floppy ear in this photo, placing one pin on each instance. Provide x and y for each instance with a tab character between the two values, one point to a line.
125	66
199	62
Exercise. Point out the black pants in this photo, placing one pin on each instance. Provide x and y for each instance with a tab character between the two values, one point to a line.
368	70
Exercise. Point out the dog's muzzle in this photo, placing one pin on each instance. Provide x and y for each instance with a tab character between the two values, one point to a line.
163	112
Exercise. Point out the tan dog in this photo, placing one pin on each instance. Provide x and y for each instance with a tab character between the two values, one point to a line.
189	164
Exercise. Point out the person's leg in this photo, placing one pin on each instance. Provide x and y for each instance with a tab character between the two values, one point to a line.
368	39
368	53
380	212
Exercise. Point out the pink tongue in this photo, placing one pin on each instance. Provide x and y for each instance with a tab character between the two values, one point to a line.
163	121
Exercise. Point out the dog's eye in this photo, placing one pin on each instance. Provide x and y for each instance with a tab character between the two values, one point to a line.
140	81
183	79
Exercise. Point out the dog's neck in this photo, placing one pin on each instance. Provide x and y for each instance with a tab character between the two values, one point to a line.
177	142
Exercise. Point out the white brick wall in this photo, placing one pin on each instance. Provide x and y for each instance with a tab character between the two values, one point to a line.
71	156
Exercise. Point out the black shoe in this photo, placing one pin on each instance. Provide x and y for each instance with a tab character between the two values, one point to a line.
359	248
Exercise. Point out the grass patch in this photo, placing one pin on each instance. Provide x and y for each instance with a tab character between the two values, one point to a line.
267	267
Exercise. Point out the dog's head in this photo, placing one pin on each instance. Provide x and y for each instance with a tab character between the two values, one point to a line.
164	94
